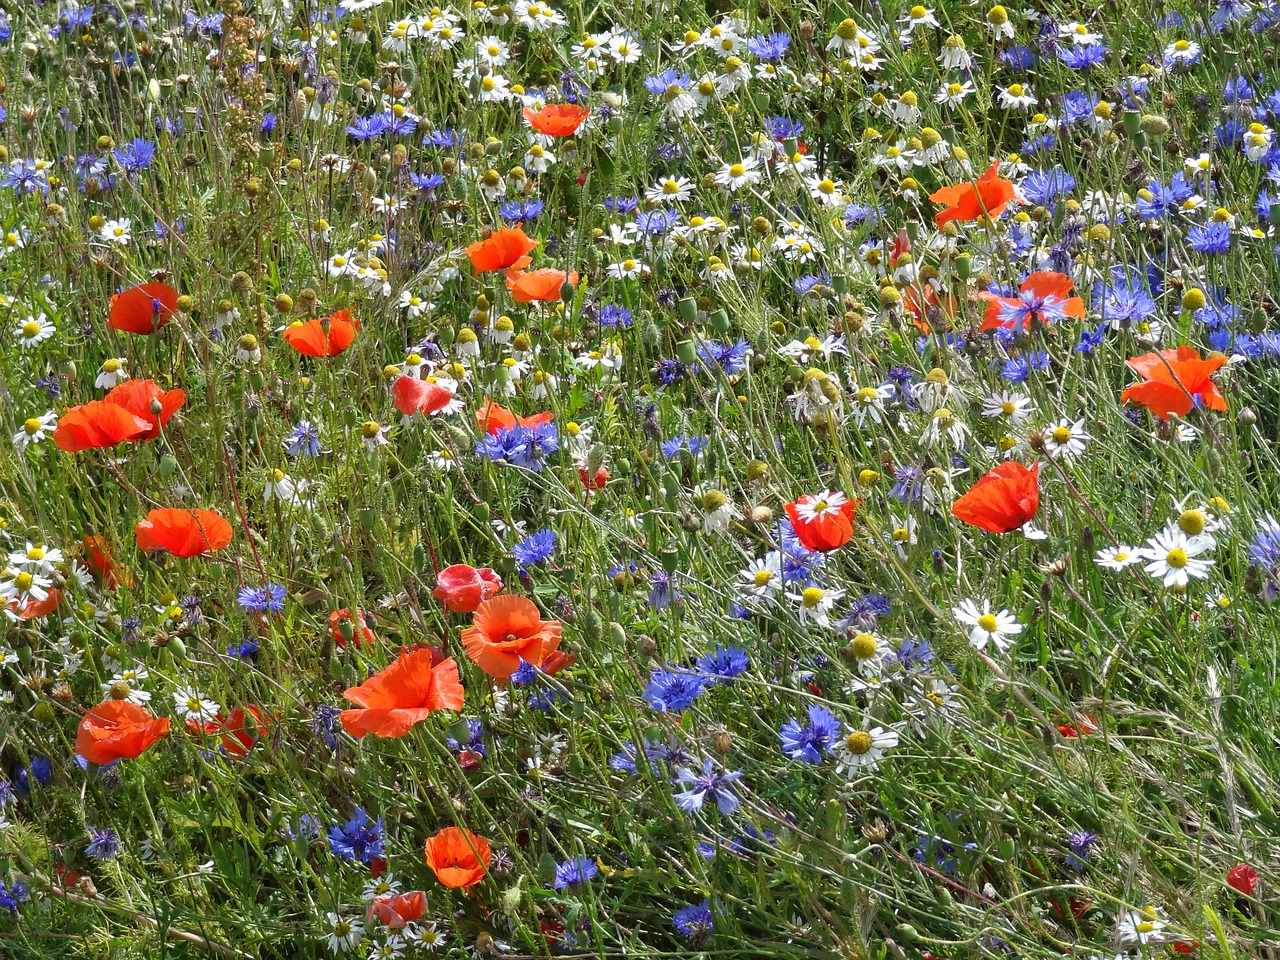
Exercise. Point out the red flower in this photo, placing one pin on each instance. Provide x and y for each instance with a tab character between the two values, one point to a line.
544	285
137	396
557	119
404	694
311	339
597	480
184	533
1086	726
143	309
1002	500
239	736
462	588
823	521
398	910
117	728
1044	297
411	395
506	630
34	608
96	425
1242	878
1186	948
1173	380
359	629
96	554
930	312
492	417
986	196
502	249
459	858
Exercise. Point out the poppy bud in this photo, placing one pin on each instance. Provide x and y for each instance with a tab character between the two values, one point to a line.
44	712
167	466
177	649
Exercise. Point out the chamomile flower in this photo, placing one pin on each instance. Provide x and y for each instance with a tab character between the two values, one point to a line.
1175	558
761	580
815	604
1117	557
986	627
194	707
117	231
111	372
33	331
34	429
1007	405
862	749
343	933
36	557
1066	440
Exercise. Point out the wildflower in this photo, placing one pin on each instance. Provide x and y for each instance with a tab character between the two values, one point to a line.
34	429
724	663
322	338
416	685
761	580
143	309
985	197
241	729
1005	499
535	548
111	372
694	922
986	627
557	119
507	629
815	603
1043	298
413	396
813	740
674	692
141	397
195	708
98	424
1066	439
862	748
303	441
458	857
360	838
503	249
462	588
268	598
398	910
183	533
545	285
117	231
1242	878
1140	926
1117	557
575	872
33	331
1174	382
823	521
1176	558
103	844
116	729
707	785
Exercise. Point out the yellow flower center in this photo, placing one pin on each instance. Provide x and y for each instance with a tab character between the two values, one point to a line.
1061	434
1008	407
31	426
1176	558
23	581
762	578
628	265
30	329
864	646
812	596
902	535
988	622
35	553
737	170
1015	89
111	366
1192	522
858	742
918	12
1182	46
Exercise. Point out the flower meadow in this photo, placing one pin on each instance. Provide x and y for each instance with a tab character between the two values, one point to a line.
526	480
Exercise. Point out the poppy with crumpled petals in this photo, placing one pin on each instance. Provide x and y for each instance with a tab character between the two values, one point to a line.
241	730
502	249
458	858
411	395
462	588
492	417
136	396
986	196
506	630
118	729
1002	500
97	425
143	309
311	339
1173	381
545	285
183	533
398	910
406	693
557	119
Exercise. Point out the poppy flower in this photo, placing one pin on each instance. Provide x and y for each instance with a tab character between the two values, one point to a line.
411	395
462	588
459	858
96	425
116	729
502	249
399	910
34	608
557	119
930	312
184	533
137	396
544	285
346	629
492	417
405	693
506	630
1173	382
1242	878
238	737
986	196
597	480
1002	500
823	521
95	552
311	339
1044	297
142	309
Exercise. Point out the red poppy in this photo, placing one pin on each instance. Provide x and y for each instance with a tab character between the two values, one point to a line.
116	729
823	521
184	533
459	858
1086	726
96	554
1186	947
544	285
462	588
506	630
986	196
1043	298
597	480
1173	382
311	339
143	309
1242	878
34	608
411	395
1002	500
137	396
96	425
492	417
406	693
239	736
557	119
502	249
930	312
399	910
356	630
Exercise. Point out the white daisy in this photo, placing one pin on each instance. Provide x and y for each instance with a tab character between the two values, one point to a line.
986	627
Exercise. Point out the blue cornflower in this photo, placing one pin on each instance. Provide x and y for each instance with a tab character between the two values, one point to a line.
369	128
1264	553
268	598
1121	302
661	593
8	793
325	725
1081	844
942	853
525	447
914	655
573	872
660	83
730	357
769	47
1211	238
612	315
306	827
622	205
672	692
1082	58
1042	186
694	921
358	839
13	894
246	649
707	785
783	128
1165	200
445	137
653	222
1018	58
475	738
427	182
670	371
811	282
303	441
674	446
535	548
269	121
524	674
1237	89
723	664
1076	106
856	213
1229	132
1090	340
521	211
135	156
103	844
25	176
1042	143
812	740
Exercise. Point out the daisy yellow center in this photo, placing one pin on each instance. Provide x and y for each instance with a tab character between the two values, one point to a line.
111	366
737	170
761	578
370	429
1121	556
1008	407
277	476
628	265
536	151
23	581
1061	435
864	646
30	329
339	261
1146	926
713	500
955	89
35	553
119	690
893	152
902	534
194	705
487	84
31	426
1192	522
1015	89
341	928
670	186
988	622
117	231
826	186
918	12
1182	46
812	596
1176	558
858	742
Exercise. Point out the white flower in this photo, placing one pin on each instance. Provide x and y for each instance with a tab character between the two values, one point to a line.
815	603
1007	404
36	558
192	705
1016	97
343	934
1066	439
110	373
116	231
735	176
1117	557
986	627
1176	558
862	749
35	429
33	331
670	190
761	579
1140	926
21	586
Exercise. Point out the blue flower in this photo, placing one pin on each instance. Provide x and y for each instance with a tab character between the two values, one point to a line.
813	740
694	921
730	357
1041	186
673	692
1082	58
614	316
268	598
475	737
783	128
520	211
1212	238
535	548
769	47
441	138
660	83
135	156
724	663
369	128
525	447
358	839
1081	844
427	182
707	785
103	844
13	894
303	441
573	872
246	649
